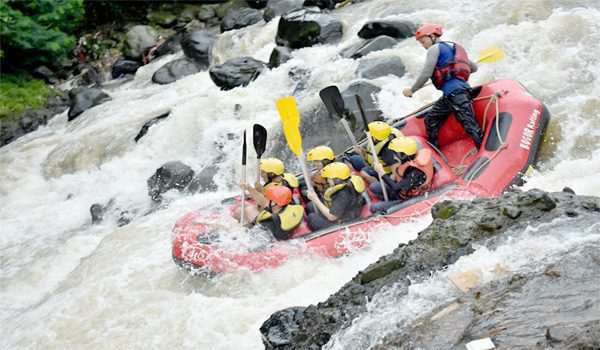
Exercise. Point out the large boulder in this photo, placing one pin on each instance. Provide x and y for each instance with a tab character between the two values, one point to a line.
279	7
240	18
236	72
123	67
364	48
547	300
173	175
198	46
372	68
138	39
83	99
394	29
306	27
176	70
169	46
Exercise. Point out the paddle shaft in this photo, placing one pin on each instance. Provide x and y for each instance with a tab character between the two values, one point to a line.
371	146
349	131
307	178
243	207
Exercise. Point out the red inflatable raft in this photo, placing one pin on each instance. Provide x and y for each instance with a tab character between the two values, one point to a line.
514	122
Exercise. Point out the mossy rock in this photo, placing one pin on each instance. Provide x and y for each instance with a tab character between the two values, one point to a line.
19	92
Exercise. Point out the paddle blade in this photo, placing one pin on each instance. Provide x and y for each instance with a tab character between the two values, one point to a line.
244	149
490	55
259	137
290	120
332	98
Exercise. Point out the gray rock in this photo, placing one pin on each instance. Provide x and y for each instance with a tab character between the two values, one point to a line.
172	175
373	68
198	46
362	49
123	66
83	99
175	70
240	18
138	39
279	56
394	29
307	27
279	7
236	72
521	311
322	4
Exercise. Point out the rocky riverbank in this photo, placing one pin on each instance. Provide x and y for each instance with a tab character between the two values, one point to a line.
519	301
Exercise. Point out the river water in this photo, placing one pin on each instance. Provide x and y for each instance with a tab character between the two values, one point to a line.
67	284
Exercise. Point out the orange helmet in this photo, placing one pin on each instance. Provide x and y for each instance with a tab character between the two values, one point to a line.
279	194
427	29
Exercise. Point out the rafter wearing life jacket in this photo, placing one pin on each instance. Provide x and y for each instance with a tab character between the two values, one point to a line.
453	62
424	162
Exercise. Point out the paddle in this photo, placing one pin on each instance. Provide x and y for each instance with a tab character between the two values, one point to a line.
242	213
259	138
371	145
333	100
290	120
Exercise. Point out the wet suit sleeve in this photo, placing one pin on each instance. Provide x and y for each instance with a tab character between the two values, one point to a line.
432	57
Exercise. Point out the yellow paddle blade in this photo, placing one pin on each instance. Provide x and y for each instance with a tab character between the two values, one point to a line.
490	55
290	120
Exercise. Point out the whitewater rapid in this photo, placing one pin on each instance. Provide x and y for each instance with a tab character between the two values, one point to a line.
65	284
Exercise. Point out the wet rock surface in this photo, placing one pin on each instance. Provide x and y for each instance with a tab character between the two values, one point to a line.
85	98
175	70
236	72
535	310
307	27
197	46
394	29
276	8
240	18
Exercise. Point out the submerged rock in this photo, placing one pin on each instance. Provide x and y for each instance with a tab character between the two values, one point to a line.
518	311
364	48
373	68
279	56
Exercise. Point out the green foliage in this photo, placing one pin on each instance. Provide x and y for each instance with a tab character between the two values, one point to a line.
19	92
38	31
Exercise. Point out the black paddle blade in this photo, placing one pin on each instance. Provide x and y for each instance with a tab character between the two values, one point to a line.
332	98
244	150
259	137
362	112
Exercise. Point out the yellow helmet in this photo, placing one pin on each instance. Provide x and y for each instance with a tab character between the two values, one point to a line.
272	165
380	130
320	153
337	170
406	145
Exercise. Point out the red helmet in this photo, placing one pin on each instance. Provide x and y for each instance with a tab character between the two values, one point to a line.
427	29
279	194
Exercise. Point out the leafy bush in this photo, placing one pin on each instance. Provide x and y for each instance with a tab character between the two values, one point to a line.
38	31
19	92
